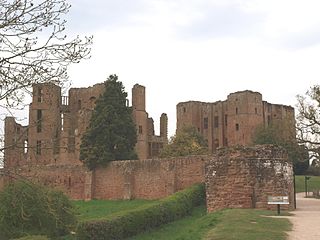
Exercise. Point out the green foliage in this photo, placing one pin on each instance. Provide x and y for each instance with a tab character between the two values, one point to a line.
186	142
130	223
28	208
277	134
111	134
191	227
312	184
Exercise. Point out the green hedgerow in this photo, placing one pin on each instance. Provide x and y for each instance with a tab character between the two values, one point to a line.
27	208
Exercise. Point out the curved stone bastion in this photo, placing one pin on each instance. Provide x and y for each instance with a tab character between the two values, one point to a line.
244	177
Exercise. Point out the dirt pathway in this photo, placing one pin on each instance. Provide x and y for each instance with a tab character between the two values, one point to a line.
306	219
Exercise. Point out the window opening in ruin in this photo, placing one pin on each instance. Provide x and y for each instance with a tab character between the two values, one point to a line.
56	149
69	182
39	94
62	121
256	110
198	129
216	121
25	146
140	129
79	104
39	120
205	123
236	110
237	126
38	147
269	120
216	143
18	130
226	120
184	109
71	142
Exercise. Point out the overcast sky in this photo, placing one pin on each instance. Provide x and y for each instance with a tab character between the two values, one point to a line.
200	49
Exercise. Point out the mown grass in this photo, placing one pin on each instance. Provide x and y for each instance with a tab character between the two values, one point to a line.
229	224
249	224
191	227
99	209
313	183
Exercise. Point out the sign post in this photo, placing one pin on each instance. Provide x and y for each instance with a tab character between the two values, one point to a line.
278	200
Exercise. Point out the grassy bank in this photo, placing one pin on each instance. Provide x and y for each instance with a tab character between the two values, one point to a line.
229	224
313	183
99	209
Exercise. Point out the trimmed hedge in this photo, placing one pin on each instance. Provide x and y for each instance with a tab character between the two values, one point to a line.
136	221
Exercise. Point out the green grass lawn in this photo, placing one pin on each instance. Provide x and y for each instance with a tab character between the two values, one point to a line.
249	224
191	227
313	183
98	209
230	224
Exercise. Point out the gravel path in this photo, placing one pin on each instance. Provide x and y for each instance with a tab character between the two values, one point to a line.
306	219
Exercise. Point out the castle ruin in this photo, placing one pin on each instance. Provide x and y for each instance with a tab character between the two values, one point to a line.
57	123
233	121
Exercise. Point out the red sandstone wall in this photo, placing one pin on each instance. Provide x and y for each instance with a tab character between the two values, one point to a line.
245	177
142	179
147	179
69	179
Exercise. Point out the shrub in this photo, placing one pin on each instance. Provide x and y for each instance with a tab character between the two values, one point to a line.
27	208
133	222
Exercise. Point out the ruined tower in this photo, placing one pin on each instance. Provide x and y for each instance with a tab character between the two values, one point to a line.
140	117
233	121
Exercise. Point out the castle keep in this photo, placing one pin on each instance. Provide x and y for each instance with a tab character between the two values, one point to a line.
233	121
57	123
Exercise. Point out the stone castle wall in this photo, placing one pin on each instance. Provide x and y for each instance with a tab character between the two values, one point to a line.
142	179
245	177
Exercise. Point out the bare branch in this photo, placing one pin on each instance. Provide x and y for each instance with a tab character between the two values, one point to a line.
34	48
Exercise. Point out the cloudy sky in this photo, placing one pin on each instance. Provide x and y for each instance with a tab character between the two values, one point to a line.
200	49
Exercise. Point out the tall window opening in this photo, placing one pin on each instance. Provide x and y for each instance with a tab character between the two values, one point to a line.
216	121
226	119
39	93
140	129
79	104
62	121
39	120
237	126
25	146
38	147
236	110
205	123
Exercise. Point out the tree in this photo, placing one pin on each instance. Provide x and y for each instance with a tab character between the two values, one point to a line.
28	208
308	121
111	134
278	133
34	48
186	142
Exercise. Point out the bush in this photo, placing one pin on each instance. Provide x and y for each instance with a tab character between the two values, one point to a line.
27	208
133	222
